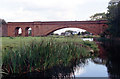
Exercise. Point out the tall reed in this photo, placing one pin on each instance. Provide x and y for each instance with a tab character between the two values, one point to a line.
41	55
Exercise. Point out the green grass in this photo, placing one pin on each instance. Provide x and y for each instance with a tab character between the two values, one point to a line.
78	36
0	57
28	54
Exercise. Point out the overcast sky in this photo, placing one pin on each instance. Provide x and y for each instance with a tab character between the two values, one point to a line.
50	10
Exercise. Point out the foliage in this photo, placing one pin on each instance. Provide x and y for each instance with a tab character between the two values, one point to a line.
78	33
99	16
91	45
86	32
90	36
113	16
42	53
69	31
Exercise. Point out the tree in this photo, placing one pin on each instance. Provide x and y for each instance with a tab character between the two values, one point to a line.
79	33
113	17
86	32
70	31
99	16
114	2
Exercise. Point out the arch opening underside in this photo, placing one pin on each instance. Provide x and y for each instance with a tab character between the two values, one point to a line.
95	32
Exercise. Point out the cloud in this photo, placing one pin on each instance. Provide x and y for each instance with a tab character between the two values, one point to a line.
48	10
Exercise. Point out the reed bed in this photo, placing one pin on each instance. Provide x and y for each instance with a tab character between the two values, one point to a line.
42	54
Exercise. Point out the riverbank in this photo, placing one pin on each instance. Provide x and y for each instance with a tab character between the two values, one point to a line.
29	54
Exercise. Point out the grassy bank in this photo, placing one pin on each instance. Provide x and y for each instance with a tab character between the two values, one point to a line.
78	36
29	54
0	57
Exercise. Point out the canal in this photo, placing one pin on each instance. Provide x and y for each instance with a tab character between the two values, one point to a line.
106	65
94	67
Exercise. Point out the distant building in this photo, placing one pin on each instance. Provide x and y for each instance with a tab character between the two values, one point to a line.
65	33
3	28
75	32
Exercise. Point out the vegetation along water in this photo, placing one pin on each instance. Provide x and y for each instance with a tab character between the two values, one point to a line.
23	55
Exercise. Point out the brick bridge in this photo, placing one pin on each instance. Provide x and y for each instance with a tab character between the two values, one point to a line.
45	28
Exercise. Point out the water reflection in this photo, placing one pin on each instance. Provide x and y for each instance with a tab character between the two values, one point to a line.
113	58
55	72
80	68
92	69
106	65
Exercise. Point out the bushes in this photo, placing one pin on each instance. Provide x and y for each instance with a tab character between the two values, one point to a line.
91	45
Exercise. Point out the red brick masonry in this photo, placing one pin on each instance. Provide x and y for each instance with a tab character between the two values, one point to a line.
44	28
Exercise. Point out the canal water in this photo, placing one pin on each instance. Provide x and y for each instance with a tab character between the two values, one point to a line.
87	39
91	69
106	65
94	68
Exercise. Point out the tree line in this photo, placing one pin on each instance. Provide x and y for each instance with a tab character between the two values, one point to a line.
113	17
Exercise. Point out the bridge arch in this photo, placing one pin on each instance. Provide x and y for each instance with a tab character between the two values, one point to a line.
93	31
18	31
28	31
